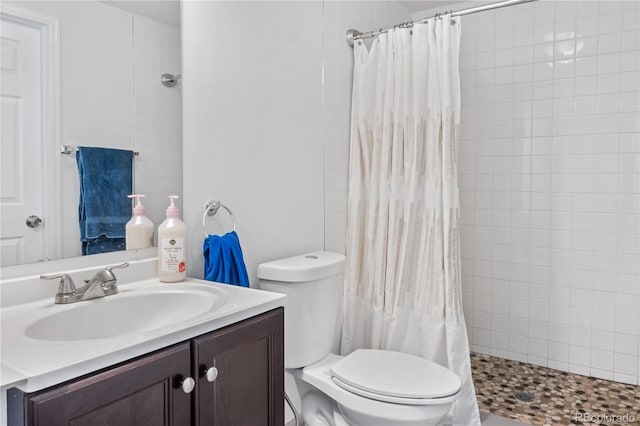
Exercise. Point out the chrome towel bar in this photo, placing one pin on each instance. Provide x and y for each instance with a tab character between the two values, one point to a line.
68	149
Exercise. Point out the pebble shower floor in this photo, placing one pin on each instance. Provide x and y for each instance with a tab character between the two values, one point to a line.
559	398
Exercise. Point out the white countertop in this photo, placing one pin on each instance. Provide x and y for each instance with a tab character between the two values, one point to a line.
10	377
32	364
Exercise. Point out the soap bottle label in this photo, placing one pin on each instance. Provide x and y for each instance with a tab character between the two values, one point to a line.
172	254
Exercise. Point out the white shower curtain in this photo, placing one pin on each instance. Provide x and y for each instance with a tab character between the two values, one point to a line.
402	278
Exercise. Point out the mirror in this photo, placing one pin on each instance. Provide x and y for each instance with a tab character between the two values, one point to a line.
83	74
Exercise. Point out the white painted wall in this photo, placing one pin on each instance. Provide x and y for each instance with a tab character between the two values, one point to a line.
267	110
252	125
99	105
550	185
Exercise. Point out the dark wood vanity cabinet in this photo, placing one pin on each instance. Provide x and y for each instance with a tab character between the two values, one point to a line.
140	392
249	387
247	390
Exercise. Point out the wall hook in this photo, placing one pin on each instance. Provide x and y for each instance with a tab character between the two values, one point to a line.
170	80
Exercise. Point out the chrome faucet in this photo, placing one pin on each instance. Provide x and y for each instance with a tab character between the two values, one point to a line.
102	284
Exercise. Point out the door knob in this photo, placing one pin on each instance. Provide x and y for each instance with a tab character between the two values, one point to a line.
33	221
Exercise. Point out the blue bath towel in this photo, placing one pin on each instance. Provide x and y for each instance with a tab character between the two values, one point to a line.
104	209
223	260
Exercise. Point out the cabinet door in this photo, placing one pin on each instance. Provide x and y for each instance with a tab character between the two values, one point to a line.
249	387
145	392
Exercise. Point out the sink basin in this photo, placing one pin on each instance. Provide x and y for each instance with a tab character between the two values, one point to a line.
46	344
123	314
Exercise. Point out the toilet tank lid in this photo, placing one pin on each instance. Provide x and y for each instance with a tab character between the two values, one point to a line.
302	268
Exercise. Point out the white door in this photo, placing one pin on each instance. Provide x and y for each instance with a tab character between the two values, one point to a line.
21	156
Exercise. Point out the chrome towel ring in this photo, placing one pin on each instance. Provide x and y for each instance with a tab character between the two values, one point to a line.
211	207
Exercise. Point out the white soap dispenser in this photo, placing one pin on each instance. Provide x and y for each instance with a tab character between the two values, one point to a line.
139	230
172	246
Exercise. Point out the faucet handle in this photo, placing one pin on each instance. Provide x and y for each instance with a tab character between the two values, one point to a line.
66	284
120	266
106	275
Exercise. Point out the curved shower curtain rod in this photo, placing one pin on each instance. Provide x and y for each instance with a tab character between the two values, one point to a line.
353	35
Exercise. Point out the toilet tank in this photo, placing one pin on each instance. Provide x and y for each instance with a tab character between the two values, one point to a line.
312	283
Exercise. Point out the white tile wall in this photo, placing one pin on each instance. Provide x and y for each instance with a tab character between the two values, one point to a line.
158	115
338	16
550	185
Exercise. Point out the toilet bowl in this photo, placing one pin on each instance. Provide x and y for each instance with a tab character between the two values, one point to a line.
382	407
365	388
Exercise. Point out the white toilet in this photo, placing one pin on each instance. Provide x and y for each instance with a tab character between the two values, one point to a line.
367	387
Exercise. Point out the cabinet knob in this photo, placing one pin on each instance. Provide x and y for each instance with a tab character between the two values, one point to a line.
212	374
188	385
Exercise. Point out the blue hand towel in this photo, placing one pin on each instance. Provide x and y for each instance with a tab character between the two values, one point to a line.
223	260
103	245
104	209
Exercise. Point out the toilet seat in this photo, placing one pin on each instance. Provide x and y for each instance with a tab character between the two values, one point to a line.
375	412
394	377
386	398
